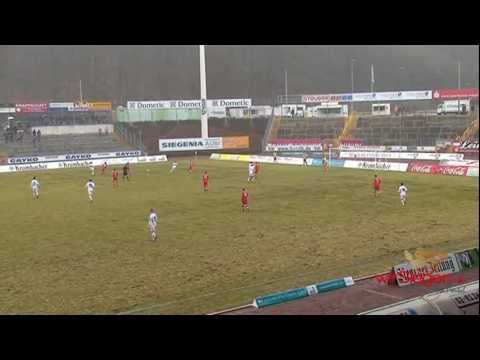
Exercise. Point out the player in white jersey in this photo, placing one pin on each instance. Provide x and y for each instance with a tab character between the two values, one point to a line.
152	224
403	193
90	189
251	171
174	166
92	170
35	187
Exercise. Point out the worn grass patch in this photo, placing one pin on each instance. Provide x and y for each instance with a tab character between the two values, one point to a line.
62	255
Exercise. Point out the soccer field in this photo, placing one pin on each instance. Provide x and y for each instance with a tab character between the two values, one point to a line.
62	255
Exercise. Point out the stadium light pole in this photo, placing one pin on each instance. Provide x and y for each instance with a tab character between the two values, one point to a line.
286	85
81	92
203	92
351	75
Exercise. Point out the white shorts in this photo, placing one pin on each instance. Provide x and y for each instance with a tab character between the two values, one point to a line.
35	190
152	228
251	174
90	192
403	196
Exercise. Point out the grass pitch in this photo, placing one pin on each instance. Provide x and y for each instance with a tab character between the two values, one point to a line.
62	255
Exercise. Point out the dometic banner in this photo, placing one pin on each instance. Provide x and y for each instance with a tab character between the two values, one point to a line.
188	104
327	98
372	165
423	168
445	94
31	108
393	96
190	144
60	105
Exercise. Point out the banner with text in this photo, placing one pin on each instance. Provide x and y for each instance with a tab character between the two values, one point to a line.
423	168
399	155
372	165
393	96
72	157
188	104
449	94
326	98
31	108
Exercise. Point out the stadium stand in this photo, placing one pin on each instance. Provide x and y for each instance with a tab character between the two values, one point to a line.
145	135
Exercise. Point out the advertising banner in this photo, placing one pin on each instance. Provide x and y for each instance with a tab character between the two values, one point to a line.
410	273
472	171
450	94
398	155
467	147
467	259
393	96
423	168
80	163
60	105
7	110
188	104
348	143
295	145
372	165
326	98
236	142
126	115
190	144
31	108
91	106
72	157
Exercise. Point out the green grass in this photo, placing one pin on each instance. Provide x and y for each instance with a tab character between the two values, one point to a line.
62	255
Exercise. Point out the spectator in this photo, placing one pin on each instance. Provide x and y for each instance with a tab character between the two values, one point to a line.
38	136
99	132
34	137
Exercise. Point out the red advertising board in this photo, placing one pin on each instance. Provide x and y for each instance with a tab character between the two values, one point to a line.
446	94
31	108
425	168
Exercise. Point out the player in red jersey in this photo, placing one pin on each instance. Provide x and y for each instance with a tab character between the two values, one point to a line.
104	167
376	184
257	169
244	200
115	178
205	181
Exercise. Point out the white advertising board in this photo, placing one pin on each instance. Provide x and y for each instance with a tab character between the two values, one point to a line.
188	104
190	144
399	155
372	165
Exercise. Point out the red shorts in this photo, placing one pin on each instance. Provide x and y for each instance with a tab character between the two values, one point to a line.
205	184
245	205
376	188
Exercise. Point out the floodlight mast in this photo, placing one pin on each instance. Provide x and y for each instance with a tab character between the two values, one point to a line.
203	92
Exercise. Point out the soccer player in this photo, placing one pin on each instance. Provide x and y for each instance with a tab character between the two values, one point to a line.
90	189
115	178
251	172
126	172
152	224
275	156
325	164
191	167
174	166
244	200
257	169
305	159
376	184
35	187
205	179
104	168
92	170
403	193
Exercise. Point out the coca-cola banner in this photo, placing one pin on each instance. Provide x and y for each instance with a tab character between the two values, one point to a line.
416	167
31	108
446	94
